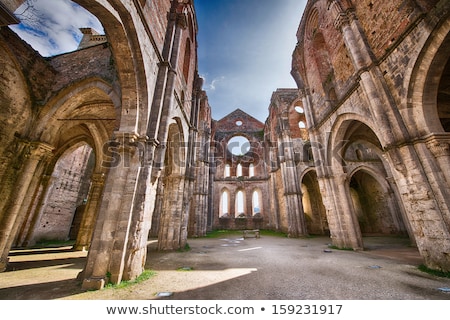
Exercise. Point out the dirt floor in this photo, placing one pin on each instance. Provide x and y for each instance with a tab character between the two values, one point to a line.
230	267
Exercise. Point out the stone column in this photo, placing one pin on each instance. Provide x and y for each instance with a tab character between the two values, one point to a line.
106	257
291	186
90	213
348	222
34	215
38	153
171	222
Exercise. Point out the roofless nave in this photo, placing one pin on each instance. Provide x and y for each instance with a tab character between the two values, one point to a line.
114	143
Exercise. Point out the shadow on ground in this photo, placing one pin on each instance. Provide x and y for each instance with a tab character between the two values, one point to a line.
229	268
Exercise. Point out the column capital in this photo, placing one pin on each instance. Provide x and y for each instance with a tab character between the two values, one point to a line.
438	148
38	150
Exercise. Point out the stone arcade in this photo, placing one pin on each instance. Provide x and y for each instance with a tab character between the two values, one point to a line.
114	143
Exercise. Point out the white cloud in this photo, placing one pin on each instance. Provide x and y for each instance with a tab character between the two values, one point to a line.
54	31
211	86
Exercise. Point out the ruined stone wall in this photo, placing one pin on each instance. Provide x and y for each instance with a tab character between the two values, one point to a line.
69	190
238	123
79	65
384	43
120	99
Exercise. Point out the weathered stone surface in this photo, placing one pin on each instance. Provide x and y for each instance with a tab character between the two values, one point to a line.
114	142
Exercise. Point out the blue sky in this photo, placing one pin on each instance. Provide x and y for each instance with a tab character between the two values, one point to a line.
245	46
245	52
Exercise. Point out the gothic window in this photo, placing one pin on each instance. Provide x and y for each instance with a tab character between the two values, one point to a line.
240	204
227	171
187	61
251	170
239	170
256	202
224	203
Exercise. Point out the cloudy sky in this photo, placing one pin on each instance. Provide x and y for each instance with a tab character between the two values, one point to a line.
245	46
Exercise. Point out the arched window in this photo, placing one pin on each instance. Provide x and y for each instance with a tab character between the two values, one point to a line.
240	204
239	170
251	170
256	202
187	61
227	171
224	209
302	125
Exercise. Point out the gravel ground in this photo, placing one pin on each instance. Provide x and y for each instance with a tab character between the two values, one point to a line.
233	268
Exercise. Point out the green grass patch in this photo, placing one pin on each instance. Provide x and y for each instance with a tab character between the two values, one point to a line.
147	274
433	272
53	243
185	248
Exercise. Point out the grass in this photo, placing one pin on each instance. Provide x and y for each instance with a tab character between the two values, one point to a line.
53	243
147	274
433	272
185	248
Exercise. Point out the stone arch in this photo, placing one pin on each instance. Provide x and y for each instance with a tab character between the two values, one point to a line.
88	109
63	195
313	208
340	133
319	55
375	204
428	94
120	28
175	158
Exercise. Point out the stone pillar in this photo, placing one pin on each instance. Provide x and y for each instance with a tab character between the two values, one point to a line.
171	222
38	153
90	213
426	212
291	186
346	233
35	213
120	217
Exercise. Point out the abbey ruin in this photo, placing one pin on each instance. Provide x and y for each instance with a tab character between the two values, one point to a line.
114	143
